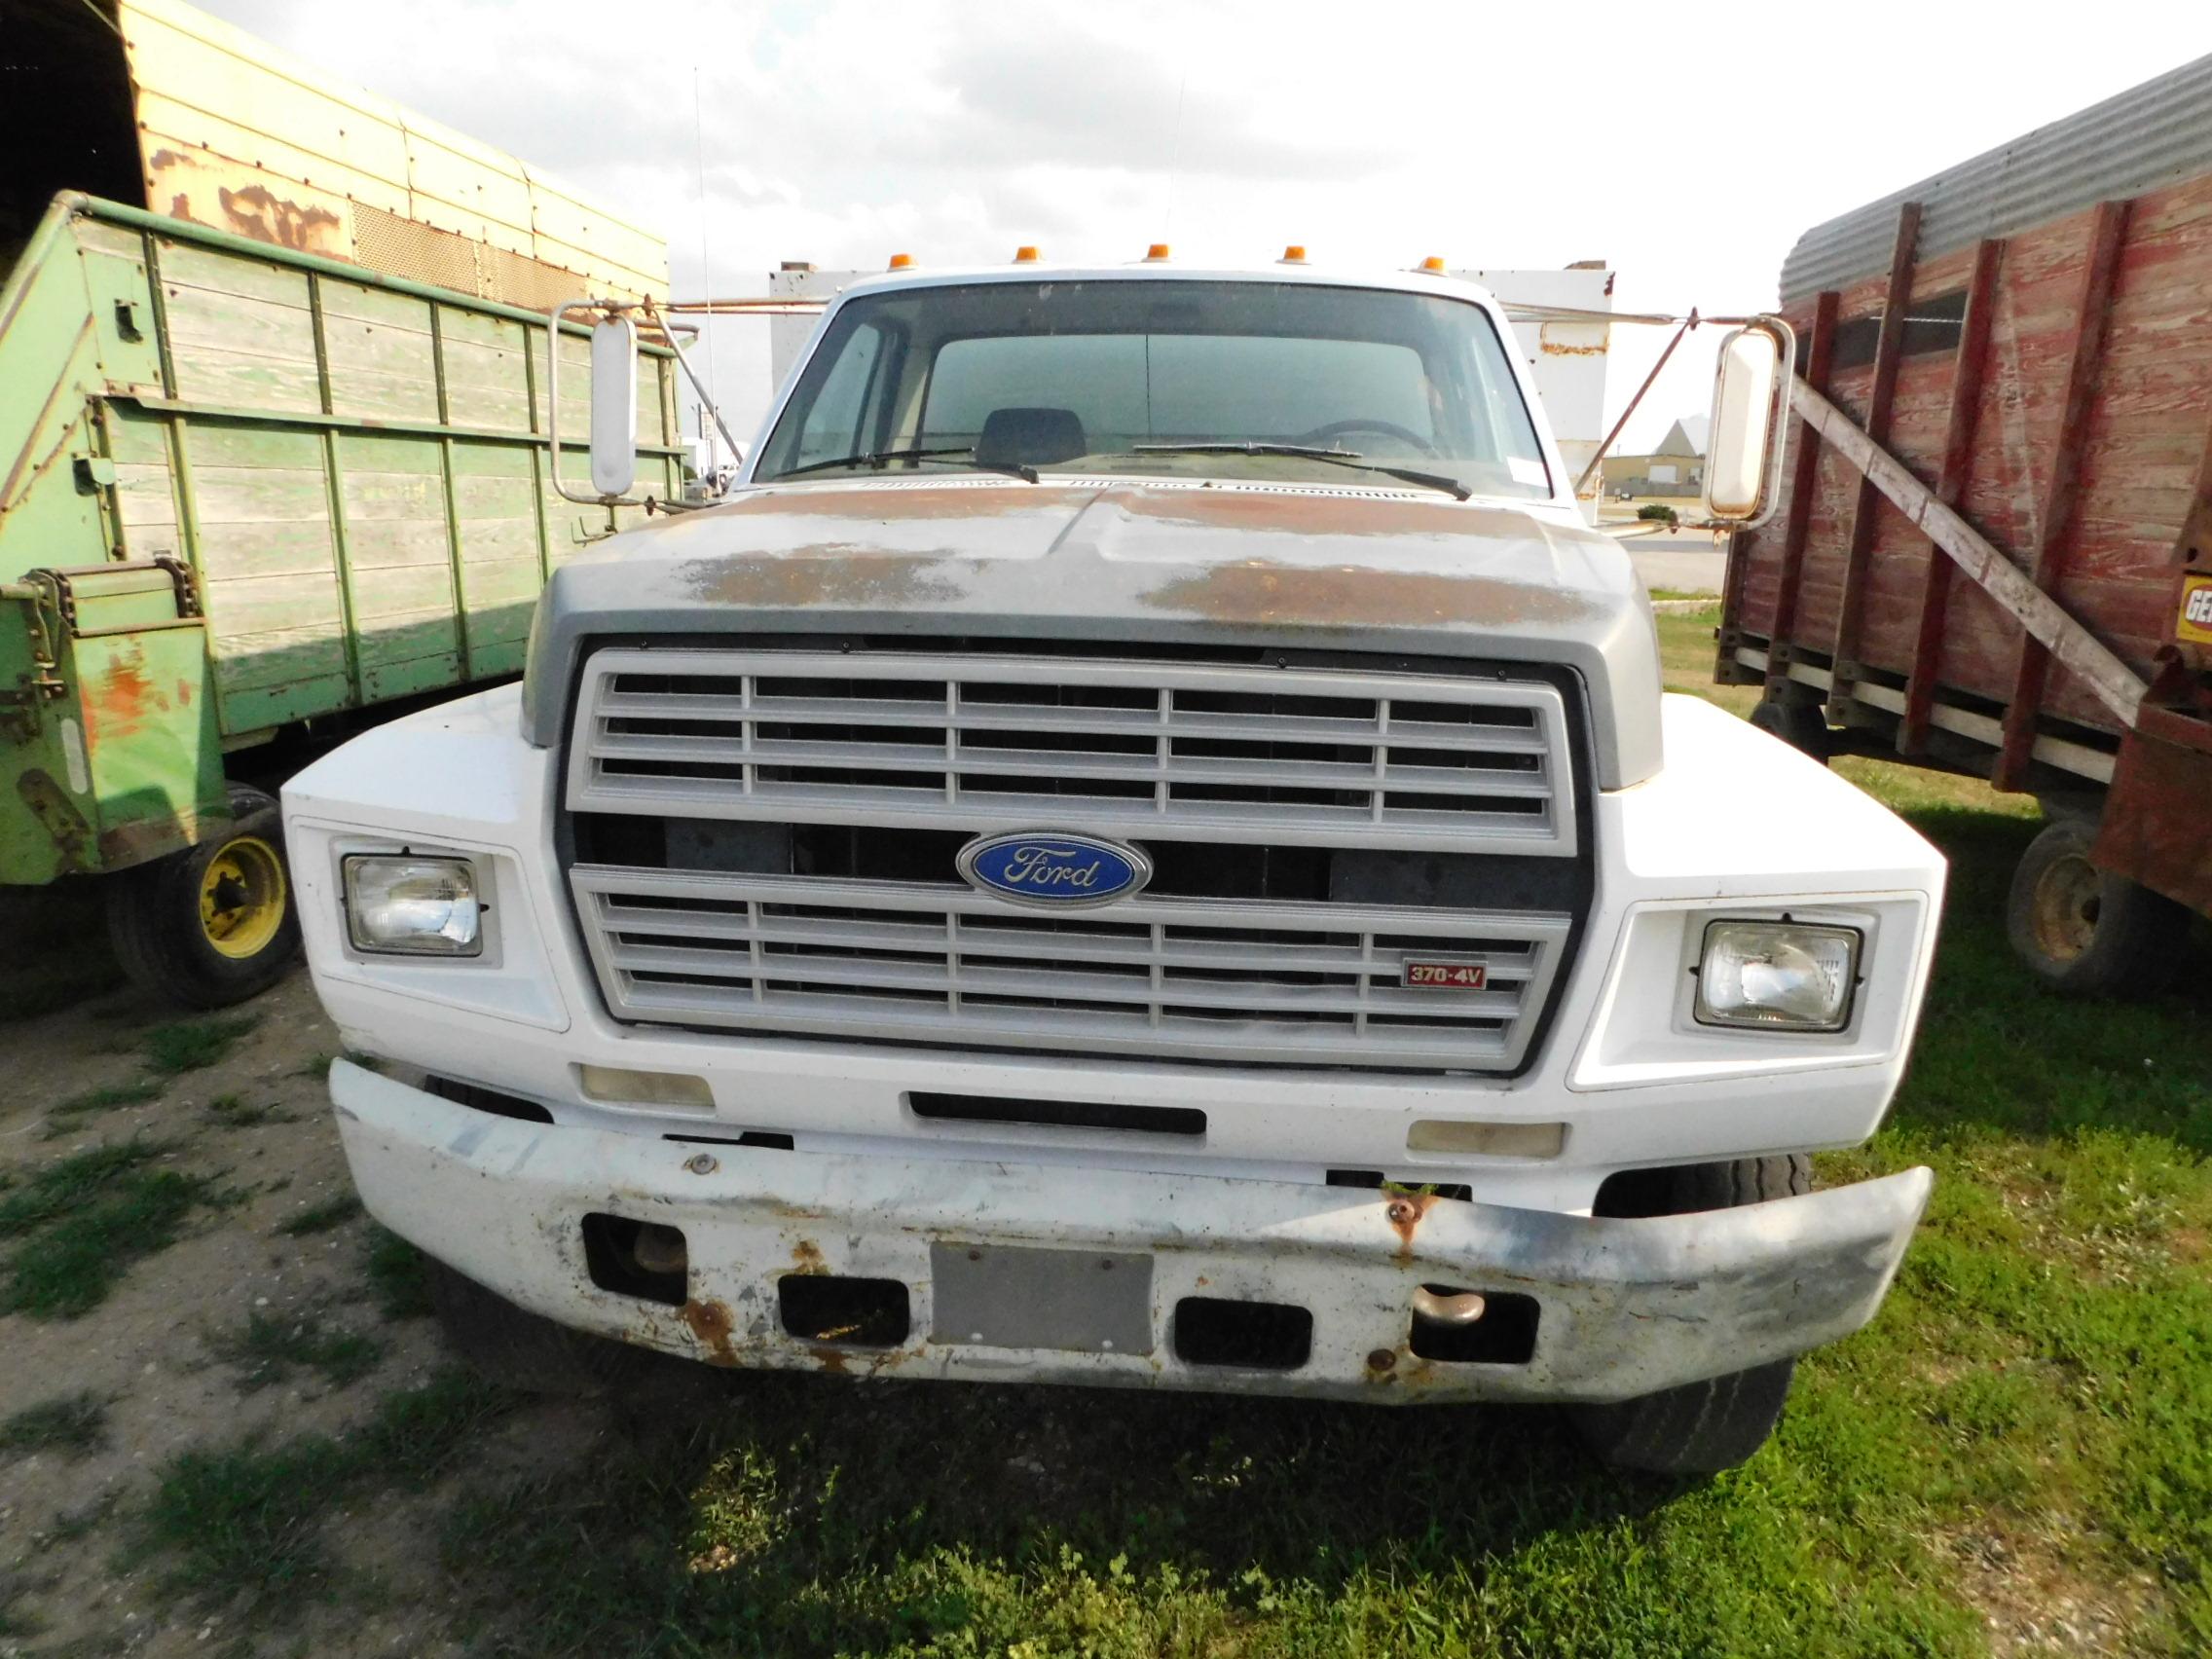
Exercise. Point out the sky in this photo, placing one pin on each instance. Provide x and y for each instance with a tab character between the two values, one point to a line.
1688	146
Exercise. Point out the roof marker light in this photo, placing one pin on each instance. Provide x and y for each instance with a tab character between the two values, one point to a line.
1433	265
901	261
1294	254
1156	254
1025	254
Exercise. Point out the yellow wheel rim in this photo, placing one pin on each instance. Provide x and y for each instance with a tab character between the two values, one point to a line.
243	896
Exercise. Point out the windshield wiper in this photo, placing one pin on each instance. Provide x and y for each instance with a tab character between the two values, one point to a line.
882	459
1337	456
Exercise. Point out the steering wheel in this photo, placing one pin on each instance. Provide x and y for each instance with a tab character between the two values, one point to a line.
1360	424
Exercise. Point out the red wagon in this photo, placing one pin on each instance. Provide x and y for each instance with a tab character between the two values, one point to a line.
1995	550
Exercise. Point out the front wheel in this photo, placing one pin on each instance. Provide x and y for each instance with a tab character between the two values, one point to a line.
214	924
2086	931
1699	1428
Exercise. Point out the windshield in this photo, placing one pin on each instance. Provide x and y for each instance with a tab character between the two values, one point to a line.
1140	376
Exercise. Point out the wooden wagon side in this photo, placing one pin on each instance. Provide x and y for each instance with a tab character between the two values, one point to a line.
1997	523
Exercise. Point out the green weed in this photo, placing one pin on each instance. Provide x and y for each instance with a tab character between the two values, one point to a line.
194	1045
72	1424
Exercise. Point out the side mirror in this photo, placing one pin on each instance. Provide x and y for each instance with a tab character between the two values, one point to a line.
615	405
1751	410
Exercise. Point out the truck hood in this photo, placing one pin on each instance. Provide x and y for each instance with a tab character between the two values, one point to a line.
1149	564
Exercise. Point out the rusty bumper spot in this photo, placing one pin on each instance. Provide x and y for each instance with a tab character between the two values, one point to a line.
1405	1212
712	1322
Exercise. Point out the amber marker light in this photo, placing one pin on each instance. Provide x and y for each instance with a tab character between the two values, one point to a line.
1294	254
1156	254
1025	254
901	261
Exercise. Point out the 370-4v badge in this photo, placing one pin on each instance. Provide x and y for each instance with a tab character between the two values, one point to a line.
1053	870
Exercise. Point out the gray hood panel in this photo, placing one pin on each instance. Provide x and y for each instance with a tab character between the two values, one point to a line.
1149	564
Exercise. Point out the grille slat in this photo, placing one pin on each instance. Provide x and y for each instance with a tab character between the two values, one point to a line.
1187	751
1174	977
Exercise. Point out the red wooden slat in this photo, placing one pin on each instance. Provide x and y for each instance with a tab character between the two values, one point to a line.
1889	346
1802	482
2106	230
1958	457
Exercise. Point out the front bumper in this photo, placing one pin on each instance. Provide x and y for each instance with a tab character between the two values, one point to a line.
1625	1306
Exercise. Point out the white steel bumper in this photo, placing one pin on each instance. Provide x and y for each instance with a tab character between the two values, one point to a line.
1626	1306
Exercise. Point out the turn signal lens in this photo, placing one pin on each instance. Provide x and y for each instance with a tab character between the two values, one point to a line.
410	907
621	1087
1294	254
900	261
1777	975
1433	265
1156	253
1025	254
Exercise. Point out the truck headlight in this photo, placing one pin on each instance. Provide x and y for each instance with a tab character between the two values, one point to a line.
1777	975
413	907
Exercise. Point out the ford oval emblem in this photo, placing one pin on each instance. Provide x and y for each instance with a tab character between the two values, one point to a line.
1057	872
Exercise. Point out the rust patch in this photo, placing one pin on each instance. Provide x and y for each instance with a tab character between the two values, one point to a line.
123	845
806	1256
118	701
1381	1364
180	208
58	816
1293	514
832	1360
712	1322
1405	1212
1553	348
257	212
831	575
1297	596
860	502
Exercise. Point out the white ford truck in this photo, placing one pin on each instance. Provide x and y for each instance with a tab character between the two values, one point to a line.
1141	845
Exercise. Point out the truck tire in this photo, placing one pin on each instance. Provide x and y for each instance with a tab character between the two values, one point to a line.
519	1349
214	924
1801	725
2086	931
1699	1428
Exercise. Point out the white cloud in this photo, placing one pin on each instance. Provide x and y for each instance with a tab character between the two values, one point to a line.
1687	146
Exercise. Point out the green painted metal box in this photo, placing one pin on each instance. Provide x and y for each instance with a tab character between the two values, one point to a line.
243	487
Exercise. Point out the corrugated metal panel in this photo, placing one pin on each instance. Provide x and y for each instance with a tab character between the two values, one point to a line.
239	135
2150	135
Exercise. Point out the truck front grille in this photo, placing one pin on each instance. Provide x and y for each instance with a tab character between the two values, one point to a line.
1188	978
1191	753
1316	832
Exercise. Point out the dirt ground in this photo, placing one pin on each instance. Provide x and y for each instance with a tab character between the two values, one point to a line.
167	1351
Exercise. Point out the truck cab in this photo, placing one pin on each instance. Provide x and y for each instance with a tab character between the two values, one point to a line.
1142	845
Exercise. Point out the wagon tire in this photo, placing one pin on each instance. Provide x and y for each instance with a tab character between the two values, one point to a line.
1801	725
516	1349
2086	931
1699	1428
215	923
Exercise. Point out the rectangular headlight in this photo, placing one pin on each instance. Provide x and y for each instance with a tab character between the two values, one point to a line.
1777	975
413	907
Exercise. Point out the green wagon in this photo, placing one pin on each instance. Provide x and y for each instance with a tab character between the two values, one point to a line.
274	459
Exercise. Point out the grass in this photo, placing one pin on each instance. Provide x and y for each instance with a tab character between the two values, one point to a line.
232	1112
194	1045
321	1217
269	1350
72	1424
251	1517
395	1271
73	1227
112	1095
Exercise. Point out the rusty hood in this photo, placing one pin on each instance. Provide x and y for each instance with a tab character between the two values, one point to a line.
1149	564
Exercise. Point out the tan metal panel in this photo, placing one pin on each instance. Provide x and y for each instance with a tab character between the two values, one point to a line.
244	137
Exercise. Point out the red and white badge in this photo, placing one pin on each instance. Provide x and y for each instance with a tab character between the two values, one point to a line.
1445	975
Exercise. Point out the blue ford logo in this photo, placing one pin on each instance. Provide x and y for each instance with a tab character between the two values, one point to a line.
1039	867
